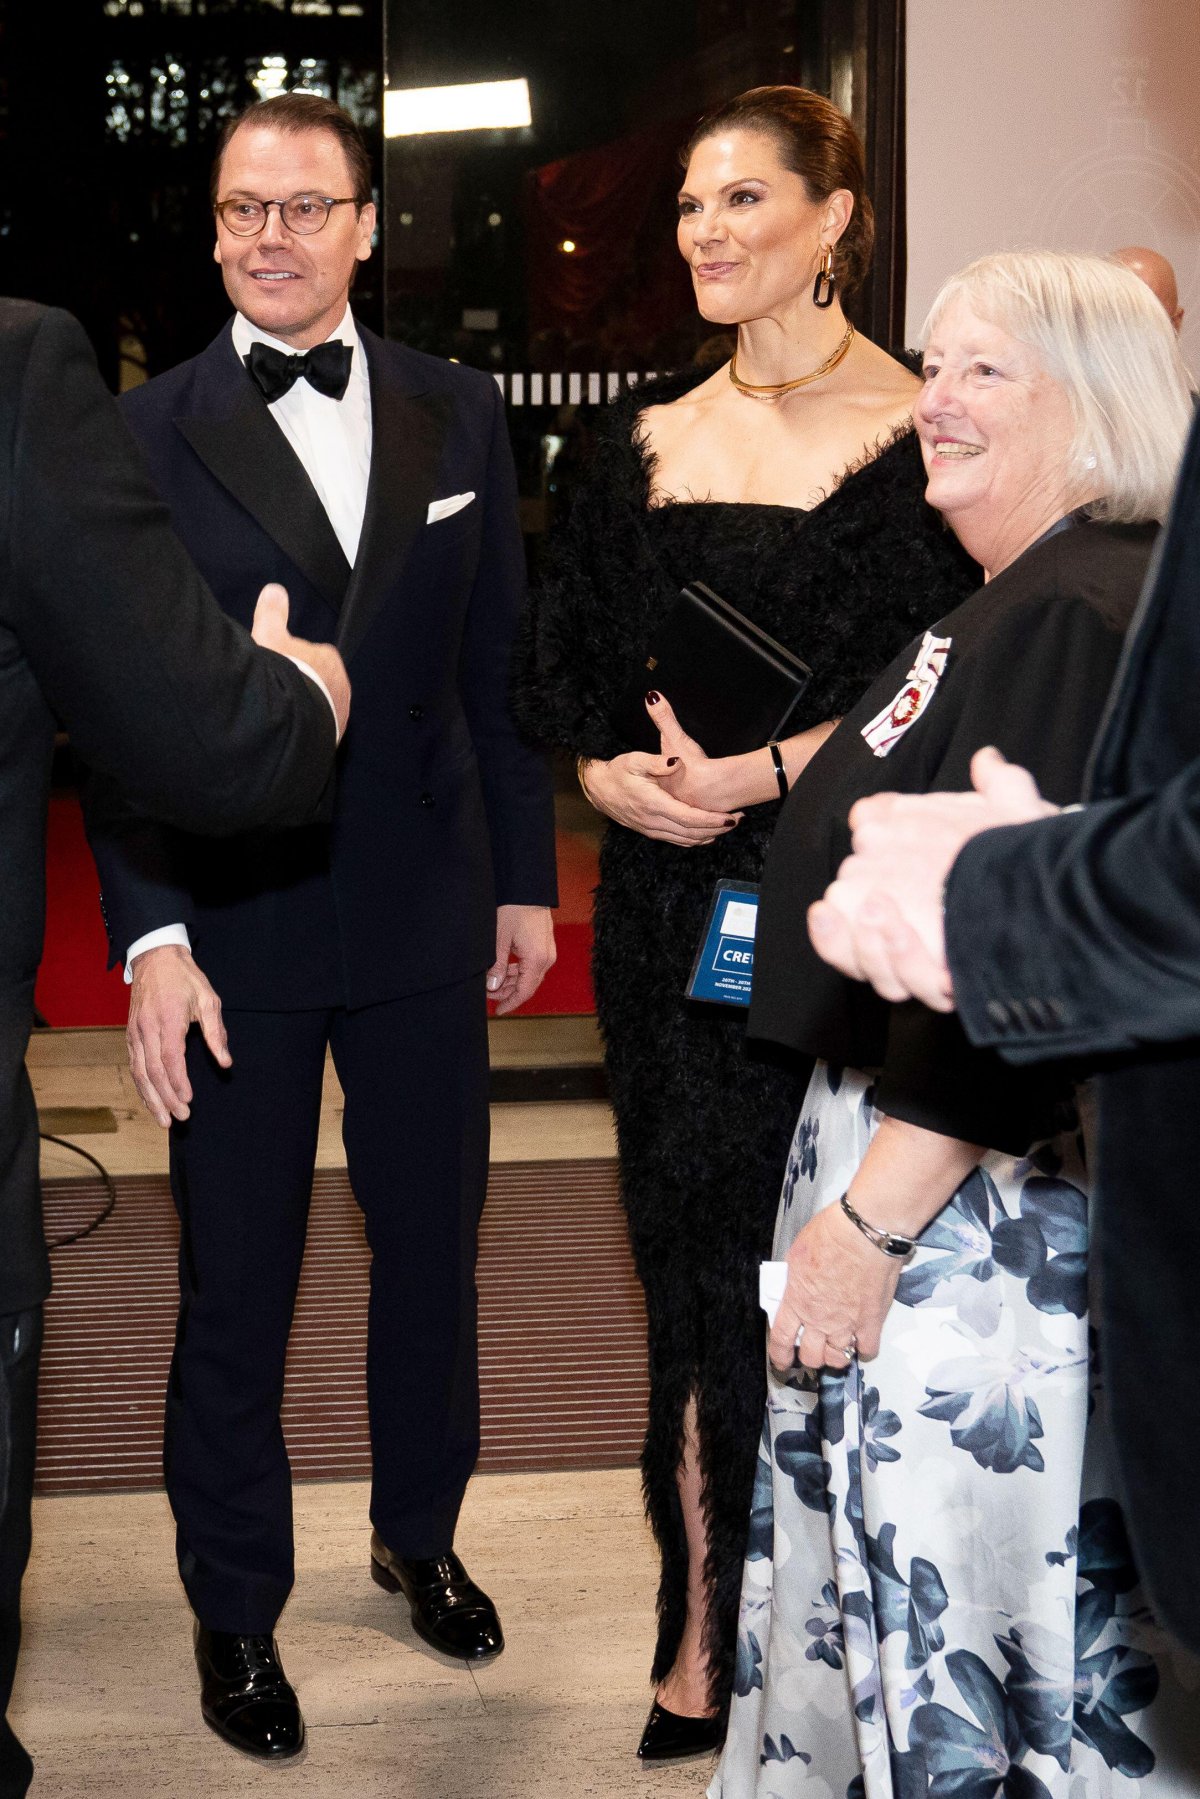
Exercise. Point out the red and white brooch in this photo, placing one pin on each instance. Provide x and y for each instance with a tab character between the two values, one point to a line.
920	684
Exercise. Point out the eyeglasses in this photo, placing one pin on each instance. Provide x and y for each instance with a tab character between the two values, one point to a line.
303	213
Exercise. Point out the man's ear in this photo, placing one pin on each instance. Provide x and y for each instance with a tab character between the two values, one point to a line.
217	251
366	221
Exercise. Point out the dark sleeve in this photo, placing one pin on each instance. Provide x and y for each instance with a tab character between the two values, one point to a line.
1036	689
154	683
141	889
565	635
517	789
1080	935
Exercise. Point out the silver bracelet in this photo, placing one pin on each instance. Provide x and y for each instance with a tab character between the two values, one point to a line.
890	1242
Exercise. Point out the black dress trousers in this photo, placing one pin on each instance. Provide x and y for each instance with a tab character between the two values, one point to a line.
414	1074
20	1349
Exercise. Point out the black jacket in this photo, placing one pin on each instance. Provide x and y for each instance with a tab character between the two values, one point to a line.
106	627
1030	664
1080	936
441	812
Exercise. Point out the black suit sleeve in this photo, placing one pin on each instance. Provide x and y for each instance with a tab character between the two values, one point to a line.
1080	935
141	888
515	777
156	686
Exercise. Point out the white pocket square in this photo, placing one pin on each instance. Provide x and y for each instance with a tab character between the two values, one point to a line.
440	509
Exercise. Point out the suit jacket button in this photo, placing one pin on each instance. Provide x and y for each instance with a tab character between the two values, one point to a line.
427	799
416	713
997	1011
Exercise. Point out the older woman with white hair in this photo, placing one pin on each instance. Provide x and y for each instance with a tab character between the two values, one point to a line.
938	1596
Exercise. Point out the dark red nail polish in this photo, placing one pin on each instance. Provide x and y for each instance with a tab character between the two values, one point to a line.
671	761
731	821
653	698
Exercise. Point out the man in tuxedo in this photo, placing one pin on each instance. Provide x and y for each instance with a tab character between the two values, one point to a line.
378	485
106	628
1076	935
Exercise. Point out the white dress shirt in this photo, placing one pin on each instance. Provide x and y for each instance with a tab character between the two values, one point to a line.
332	438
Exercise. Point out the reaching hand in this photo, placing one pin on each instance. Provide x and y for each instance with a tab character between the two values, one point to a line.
270	630
881	919
169	995
525	954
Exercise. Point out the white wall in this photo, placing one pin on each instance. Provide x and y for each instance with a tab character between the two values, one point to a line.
1073	124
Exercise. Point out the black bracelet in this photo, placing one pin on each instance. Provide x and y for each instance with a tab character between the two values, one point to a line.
780	770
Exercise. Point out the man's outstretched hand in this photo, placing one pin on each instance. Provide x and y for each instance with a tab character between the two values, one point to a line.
270	629
881	920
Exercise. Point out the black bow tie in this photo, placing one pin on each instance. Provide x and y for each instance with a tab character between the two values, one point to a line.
325	367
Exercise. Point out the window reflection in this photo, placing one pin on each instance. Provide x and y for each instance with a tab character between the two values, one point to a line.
146	86
545	253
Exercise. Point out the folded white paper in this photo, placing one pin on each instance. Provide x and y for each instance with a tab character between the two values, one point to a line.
772	1280
440	509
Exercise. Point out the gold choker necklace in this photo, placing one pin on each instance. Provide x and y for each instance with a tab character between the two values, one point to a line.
779	388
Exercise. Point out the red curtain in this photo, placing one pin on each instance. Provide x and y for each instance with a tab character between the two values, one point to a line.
624	285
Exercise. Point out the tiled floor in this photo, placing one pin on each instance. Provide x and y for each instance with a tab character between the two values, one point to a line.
107	1693
107	1697
88	1068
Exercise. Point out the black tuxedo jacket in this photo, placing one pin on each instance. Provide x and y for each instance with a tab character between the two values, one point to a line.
106	627
1080	936
441	812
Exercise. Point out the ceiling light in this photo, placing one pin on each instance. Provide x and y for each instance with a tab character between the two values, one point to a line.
468	106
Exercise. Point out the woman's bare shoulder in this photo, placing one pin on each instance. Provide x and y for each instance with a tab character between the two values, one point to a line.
884	373
684	406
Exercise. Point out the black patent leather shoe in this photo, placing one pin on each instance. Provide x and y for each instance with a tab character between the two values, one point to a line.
449	1612
670	1737
245	1695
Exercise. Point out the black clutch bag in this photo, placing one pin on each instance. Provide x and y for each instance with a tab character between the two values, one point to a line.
731	686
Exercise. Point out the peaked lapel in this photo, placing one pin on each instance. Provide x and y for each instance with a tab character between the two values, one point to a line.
230	428
408	429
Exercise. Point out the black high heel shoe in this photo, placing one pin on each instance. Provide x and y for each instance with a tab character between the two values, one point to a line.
670	1737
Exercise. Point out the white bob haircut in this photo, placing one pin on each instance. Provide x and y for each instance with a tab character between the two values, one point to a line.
1099	333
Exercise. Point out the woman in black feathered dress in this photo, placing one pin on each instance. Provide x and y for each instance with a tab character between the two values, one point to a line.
808	515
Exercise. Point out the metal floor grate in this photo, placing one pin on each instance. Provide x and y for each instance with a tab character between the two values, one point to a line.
562	1331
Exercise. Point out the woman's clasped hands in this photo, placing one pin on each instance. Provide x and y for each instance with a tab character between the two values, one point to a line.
674	796
839	1290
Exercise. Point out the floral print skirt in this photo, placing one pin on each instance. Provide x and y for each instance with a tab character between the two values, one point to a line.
938	1597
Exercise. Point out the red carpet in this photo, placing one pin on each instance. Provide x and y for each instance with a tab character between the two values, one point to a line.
74	988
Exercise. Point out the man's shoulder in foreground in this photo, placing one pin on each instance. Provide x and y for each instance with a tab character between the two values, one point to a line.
23	321
24	316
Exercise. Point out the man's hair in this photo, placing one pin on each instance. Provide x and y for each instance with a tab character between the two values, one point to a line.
1101	334
297	113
